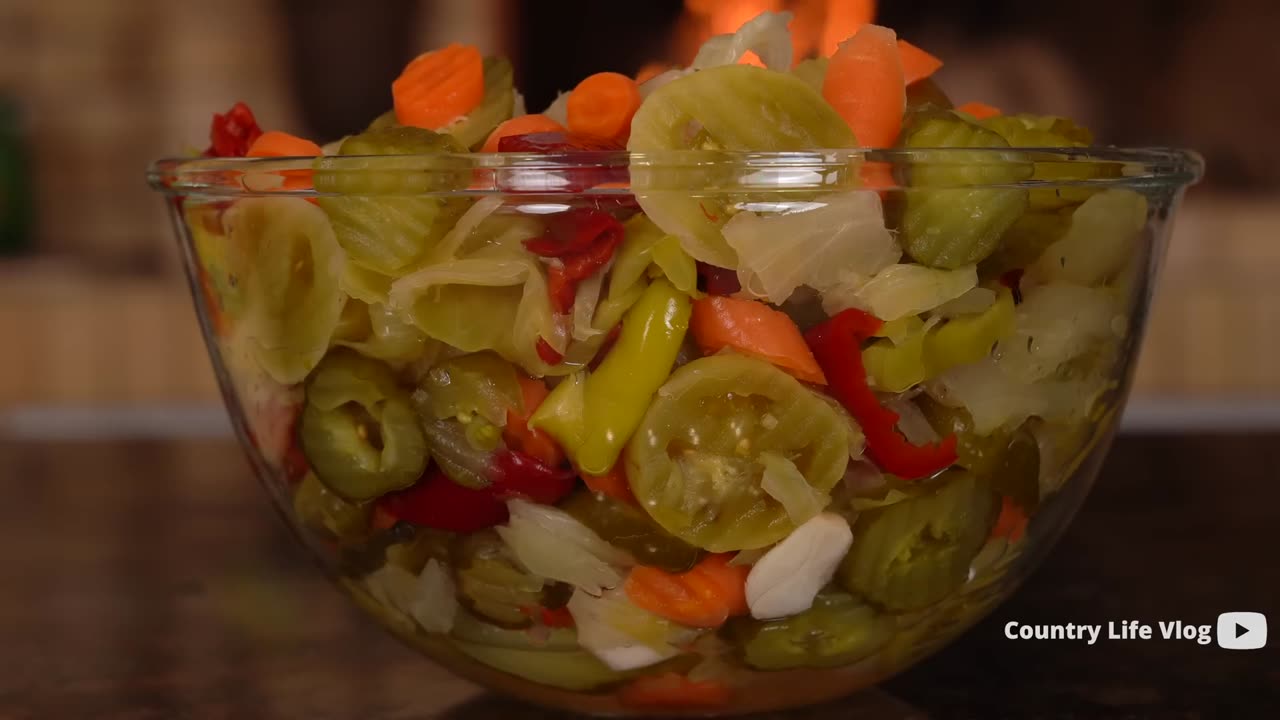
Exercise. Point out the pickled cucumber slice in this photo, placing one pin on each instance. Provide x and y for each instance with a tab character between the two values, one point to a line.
1047	131
499	98
914	553
632	530
728	107
837	630
376	220
694	462
953	225
926	95
491	582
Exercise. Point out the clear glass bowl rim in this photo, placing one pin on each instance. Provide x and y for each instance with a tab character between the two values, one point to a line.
697	171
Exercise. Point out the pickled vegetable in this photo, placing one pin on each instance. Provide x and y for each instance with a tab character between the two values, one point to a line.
491	582
472	129
323	510
694	462
914	553
837	630
285	260
375	221
629	528
1009	459
376	331
927	95
951	225
480	384
358	430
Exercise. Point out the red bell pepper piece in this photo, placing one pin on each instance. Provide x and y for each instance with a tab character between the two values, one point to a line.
582	239
590	171
438	502
548	354
232	133
717	280
556	142
836	345
518	474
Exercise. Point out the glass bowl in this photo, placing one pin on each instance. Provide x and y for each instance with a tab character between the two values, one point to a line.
399	265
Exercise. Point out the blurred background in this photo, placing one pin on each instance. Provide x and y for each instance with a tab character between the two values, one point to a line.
99	335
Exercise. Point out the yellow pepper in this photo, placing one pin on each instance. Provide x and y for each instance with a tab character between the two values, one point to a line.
968	339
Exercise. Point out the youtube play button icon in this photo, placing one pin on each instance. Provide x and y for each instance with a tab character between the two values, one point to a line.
1242	630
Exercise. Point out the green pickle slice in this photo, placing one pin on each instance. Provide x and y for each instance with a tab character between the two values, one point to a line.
911	554
499	99
1009	460
358	430
729	107
631	529
837	630
952	225
378	213
491	582
694	461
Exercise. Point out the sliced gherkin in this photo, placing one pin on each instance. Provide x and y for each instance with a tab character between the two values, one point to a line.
629	528
1047	131
959	220
1025	241
913	553
358	431
837	630
728	107
499	98
492	583
373	202
385	120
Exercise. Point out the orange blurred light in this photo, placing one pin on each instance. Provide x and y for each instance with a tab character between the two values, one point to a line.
843	19
750	58
806	27
729	15
651	70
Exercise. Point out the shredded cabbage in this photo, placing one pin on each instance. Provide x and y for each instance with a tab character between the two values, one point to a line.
996	399
822	247
585	300
1054	324
914	425
552	544
623	635
648	86
902	290
429	598
1099	241
784	482
448	246
973	302
766	35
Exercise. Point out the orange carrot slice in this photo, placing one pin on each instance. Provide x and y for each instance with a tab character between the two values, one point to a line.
602	106
522	125
282	144
705	596
613	484
979	110
439	87
517	432
916	63
753	328
865	84
672	690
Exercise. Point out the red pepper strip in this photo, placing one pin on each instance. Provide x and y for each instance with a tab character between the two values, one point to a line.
438	502
718	280
583	239
518	474
1012	521
836	345
555	142
231	134
579	174
548	354
574	231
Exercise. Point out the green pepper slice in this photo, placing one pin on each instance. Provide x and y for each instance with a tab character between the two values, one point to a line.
629	528
837	630
359	432
694	463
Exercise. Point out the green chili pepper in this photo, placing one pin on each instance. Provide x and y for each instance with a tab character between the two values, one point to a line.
968	339
593	418
894	365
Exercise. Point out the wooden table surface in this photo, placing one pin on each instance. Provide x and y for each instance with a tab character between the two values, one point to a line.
150	579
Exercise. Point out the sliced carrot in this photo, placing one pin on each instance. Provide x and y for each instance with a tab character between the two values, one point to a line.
602	106
672	690
705	596
282	144
1011	523
866	86
753	328
916	63
613	484
517	432
843	19
439	87
979	110
650	71
522	125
